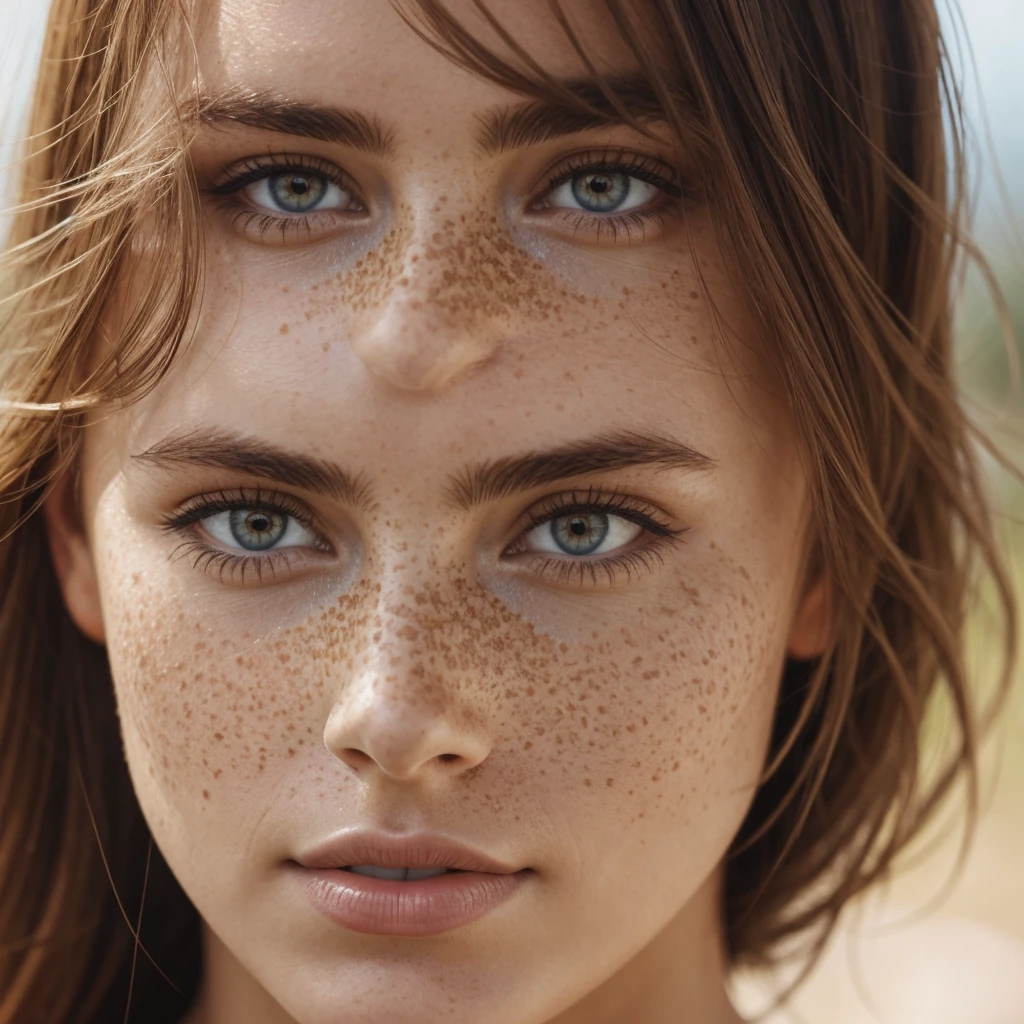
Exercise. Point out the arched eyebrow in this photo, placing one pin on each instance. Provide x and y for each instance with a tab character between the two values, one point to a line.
501	478
473	486
227	450
586	106
265	111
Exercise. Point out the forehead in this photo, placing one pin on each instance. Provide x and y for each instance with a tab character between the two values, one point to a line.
362	52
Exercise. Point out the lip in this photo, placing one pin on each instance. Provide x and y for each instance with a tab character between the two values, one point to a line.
429	906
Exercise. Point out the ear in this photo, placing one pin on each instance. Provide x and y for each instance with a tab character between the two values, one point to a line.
72	559
813	621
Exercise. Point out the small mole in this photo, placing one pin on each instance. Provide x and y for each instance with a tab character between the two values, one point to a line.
284	328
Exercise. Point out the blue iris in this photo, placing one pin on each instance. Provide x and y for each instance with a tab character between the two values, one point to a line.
580	534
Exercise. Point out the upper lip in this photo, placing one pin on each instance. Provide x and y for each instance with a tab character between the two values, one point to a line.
412	850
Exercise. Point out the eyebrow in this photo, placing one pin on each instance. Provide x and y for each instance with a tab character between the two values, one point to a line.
583	106
340	125
227	450
487	481
500	478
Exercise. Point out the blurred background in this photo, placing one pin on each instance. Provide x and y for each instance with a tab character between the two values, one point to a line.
935	940
941	945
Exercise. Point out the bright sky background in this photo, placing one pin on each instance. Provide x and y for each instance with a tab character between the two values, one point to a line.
995	29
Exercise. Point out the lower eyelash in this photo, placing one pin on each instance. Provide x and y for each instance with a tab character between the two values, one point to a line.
596	571
227	565
263	224
625	224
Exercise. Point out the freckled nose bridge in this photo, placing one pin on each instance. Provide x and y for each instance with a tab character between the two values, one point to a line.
405	706
440	295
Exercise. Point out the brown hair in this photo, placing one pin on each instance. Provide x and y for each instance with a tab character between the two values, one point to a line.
829	137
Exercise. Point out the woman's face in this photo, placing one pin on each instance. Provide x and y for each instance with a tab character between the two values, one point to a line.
463	518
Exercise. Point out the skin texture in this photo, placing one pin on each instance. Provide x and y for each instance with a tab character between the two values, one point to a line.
410	664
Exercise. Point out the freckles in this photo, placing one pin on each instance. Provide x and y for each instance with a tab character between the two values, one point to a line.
468	269
195	711
636	716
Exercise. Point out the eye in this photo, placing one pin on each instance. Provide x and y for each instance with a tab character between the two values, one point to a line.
258	529
297	192
582	533
289	191
593	538
603	192
623	184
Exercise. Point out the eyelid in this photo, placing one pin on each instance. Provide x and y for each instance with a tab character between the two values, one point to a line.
201	506
245	172
654	522
233	565
622	565
647	168
280	228
593	499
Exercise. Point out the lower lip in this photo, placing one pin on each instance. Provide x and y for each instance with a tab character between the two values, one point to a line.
380	906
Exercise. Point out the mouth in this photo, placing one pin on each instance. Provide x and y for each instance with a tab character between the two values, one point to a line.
400	874
404	885
393	856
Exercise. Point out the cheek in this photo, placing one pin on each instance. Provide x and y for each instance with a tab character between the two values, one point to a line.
202	713
660	718
218	704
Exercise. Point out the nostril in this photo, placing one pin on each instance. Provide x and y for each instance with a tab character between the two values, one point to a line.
448	758
355	758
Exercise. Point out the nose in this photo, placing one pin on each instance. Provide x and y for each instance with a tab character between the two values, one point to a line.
428	326
381	727
399	719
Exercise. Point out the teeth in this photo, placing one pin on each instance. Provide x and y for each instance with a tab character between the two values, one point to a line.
417	873
396	874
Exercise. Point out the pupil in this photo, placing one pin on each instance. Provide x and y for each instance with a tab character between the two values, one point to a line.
599	185
259	523
578	527
299	186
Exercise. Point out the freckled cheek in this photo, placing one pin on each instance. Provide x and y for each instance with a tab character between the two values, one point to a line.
661	718
204	710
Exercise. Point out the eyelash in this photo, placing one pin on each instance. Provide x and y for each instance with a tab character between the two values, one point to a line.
617	161
258	169
634	165
232	567
583	570
228	564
